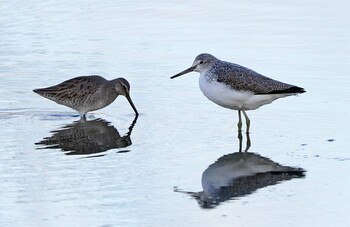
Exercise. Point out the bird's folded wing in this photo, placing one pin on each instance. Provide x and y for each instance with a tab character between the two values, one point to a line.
74	88
244	79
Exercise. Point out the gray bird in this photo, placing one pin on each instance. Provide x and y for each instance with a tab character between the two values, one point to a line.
236	87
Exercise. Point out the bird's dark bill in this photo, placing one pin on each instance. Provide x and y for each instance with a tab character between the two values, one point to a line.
132	104
184	72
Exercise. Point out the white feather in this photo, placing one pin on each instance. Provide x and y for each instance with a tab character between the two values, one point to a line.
225	96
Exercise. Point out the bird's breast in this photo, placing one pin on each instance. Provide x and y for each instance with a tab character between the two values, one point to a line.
222	94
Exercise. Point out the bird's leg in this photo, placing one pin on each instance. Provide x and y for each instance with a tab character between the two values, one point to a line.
248	143
239	124
240	138
247	120
82	118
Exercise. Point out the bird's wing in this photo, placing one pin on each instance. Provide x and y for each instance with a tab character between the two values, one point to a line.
244	79
72	88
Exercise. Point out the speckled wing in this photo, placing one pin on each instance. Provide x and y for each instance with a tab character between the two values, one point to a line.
244	79
78	88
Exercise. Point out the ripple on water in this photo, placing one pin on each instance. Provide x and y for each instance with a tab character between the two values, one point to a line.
40	115
57	116
12	113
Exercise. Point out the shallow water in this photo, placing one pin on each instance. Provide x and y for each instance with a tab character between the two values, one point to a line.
179	133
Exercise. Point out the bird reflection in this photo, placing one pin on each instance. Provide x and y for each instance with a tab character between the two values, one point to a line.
87	137
240	174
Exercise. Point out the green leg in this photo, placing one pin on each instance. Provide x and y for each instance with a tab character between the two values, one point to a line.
247	120
239	124
240	139
248	142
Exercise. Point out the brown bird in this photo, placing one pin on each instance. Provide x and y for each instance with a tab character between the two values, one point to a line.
87	93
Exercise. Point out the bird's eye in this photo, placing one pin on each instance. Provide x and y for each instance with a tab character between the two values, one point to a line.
201	62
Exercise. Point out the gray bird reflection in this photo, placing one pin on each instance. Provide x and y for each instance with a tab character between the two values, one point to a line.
87	137
239	174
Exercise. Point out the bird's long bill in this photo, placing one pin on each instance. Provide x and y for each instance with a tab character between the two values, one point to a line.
184	72
132	104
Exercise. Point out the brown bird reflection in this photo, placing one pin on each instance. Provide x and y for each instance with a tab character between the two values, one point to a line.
87	137
239	174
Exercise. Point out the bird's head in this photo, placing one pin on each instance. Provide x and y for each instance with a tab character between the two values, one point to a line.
122	87
201	63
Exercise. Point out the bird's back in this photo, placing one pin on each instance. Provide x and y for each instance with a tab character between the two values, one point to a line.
241	78
76	92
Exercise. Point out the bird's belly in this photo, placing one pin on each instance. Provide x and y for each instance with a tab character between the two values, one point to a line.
87	104
96	104
227	97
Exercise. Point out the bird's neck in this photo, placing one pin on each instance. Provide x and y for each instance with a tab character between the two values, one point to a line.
208	75
114	86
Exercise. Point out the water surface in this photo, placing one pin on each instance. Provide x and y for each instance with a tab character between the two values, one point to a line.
179	133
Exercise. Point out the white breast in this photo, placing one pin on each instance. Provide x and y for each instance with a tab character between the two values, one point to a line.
227	97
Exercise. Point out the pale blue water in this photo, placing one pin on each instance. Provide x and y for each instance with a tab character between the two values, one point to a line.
179	132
